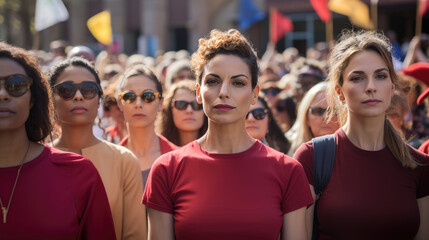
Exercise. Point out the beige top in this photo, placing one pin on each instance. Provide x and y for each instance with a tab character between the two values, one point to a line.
120	172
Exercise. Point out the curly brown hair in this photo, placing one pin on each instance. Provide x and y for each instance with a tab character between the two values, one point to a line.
230	42
39	122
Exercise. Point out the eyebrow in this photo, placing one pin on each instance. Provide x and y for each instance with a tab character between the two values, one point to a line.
235	76
376	71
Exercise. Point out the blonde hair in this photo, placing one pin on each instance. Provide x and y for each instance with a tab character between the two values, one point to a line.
300	131
351	43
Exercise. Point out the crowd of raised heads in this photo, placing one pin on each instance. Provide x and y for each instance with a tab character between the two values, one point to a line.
221	143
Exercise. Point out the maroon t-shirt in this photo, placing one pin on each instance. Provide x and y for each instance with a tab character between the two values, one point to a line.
369	195
227	196
59	195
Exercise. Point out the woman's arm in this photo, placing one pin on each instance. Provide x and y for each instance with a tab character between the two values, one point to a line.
294	225
310	215
423	232
160	225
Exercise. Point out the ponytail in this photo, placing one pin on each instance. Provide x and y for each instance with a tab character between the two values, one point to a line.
397	146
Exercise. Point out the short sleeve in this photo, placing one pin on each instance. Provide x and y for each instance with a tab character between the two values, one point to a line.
298	193
157	194
304	155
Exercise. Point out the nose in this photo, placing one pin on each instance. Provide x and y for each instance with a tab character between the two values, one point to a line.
139	102
370	86
78	96
224	90
4	95
189	108
250	117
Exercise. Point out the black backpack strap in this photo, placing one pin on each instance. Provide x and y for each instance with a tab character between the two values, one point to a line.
324	149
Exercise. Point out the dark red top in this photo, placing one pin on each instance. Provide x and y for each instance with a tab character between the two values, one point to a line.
227	196
369	195
166	146
424	148
59	195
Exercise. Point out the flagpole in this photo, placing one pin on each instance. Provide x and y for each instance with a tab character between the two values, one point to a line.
418	20
374	13
270	33
329	31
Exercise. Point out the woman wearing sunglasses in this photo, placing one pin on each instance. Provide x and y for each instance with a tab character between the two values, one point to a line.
183	119
310	121
45	193
226	185
378	188
76	94
261	125
140	99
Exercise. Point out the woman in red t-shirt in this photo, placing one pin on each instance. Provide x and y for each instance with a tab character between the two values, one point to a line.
45	193
379	185
226	185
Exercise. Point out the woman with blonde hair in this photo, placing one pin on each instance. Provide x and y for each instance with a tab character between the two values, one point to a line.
310	120
226	185
378	186
182	120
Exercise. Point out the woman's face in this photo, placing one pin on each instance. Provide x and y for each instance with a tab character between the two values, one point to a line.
367	86
78	110
187	119
140	113
316	117
226	89
257	128
182	75
14	111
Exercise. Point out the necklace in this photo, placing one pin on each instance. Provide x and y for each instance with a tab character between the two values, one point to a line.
6	209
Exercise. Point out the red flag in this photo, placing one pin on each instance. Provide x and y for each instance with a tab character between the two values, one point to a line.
321	8
279	25
423	7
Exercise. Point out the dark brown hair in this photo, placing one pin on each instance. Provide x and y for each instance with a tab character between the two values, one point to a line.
39	122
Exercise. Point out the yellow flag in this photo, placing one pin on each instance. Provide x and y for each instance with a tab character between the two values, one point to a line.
100	27
356	10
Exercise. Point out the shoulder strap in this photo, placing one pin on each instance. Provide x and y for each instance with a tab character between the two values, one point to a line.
324	149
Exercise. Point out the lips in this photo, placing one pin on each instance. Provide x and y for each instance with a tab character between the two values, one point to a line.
79	109
371	101
189	119
223	107
139	115
6	112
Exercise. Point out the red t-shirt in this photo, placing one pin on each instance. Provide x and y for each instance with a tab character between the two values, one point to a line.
424	148
166	146
59	195
369	195
226	196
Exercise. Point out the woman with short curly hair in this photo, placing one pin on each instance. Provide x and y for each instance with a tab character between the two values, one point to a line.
226	184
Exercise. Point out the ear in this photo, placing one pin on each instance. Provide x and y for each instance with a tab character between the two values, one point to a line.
393	90
340	94
120	104
255	95
198	93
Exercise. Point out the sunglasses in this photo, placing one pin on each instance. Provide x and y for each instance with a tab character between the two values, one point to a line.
147	97
67	90
258	113
183	105
16	85
317	111
271	91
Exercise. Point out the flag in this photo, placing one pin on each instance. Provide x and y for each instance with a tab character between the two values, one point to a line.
249	14
279	25
100	27
48	13
321	8
356	10
423	7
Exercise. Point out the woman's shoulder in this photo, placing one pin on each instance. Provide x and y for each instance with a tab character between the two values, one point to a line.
64	160
419	156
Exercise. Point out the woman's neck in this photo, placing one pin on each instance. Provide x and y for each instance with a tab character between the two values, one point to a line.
75	138
122	129
366	134
142	141
13	145
221	138
186	137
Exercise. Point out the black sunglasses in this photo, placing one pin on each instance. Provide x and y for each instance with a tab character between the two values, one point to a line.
258	113
317	111
67	90
182	105
147	97
271	91
16	85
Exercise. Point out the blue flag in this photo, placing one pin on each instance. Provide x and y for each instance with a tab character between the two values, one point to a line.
249	14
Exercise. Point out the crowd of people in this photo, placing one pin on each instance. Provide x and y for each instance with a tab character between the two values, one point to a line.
217	144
